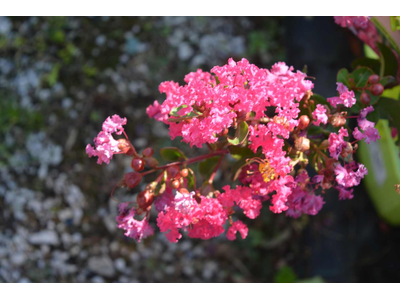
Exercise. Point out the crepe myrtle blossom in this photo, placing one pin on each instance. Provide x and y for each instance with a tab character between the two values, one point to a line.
362	27
370	133
262	118
105	144
345	98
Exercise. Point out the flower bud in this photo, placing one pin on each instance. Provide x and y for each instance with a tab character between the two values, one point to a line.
126	147
347	150
184	172
137	164
365	98
148	152
151	162
337	120
373	79
132	179
307	95
145	199
303	122
376	89
174	184
173	171
242	115
302	144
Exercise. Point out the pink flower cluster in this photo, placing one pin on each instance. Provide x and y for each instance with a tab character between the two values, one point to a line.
202	220
363	28
369	132
268	101
210	102
105	145
134	229
346	97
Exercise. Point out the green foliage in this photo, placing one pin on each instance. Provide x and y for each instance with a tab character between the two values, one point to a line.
11	115
52	77
395	23
373	64
175	112
172	154
342	77
285	275
191	180
390	109
389	63
206	167
240	135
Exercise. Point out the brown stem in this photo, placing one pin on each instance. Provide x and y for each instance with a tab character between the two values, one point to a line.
188	161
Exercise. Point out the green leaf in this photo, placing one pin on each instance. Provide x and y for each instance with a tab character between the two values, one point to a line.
172	154
241	134
360	76
393	93
370	53
285	275
342	77
190	115
174	111
394	23
206	167
319	99
191	180
389	63
373	64
390	109
239	153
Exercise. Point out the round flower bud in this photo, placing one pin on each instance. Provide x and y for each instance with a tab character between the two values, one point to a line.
376	89
347	150
303	122
185	172
151	162
174	184
148	152
173	171
137	164
145	199
132	179
365	98
373	79
302	144
337	120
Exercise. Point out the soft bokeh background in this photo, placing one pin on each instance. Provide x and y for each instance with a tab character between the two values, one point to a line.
60	78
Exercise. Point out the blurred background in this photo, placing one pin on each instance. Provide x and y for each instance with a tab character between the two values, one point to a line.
61	77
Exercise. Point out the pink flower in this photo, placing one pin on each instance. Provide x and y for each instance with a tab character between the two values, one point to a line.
114	124
319	115
360	22
370	133
105	145
135	229
344	193
207	104
346	97
350	175
154	111
336	142
237	226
